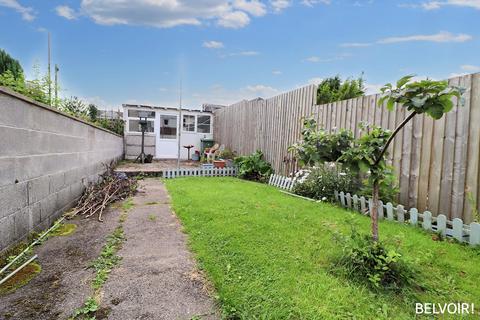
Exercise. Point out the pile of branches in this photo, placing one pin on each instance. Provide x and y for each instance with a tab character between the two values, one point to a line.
112	186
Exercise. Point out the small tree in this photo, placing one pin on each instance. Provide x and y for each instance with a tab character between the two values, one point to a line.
433	98
7	63
333	89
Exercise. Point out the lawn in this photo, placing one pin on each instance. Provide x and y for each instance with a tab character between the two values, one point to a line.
269	255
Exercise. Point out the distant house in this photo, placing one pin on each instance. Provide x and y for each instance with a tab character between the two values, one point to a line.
163	128
208	107
109	114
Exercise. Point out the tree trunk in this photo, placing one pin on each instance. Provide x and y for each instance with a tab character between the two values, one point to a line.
374	212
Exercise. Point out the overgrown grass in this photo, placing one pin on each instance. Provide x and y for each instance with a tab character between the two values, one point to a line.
270	255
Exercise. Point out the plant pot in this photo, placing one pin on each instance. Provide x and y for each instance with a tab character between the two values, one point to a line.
219	164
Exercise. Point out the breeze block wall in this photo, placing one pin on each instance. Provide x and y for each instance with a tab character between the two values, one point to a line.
46	160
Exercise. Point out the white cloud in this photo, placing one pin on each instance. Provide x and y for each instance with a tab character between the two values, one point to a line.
311	3
315	80
371	88
244	53
438	37
276	72
280	5
171	13
254	7
315	59
355	44
213	44
66	12
261	90
433	5
218	94
470	68
27	13
234	20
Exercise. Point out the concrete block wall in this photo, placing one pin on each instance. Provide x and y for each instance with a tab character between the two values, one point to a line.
46	160
133	145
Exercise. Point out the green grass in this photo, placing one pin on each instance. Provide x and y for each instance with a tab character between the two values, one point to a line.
269	255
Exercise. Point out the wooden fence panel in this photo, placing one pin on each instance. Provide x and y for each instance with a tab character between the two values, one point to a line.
437	163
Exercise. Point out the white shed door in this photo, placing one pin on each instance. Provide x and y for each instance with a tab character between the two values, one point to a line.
167	139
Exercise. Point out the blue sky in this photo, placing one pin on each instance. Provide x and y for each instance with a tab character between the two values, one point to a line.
116	51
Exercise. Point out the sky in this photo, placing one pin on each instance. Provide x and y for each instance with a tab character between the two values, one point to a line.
139	51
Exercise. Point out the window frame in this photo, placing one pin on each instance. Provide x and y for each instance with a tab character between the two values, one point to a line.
210	125
194	123
128	118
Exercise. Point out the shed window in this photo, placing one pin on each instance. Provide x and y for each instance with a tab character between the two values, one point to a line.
134	114
134	126
189	123
203	124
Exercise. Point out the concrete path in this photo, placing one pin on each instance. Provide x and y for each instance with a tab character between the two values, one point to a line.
156	278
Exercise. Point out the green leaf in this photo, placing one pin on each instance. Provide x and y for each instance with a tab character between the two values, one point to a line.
401	82
390	104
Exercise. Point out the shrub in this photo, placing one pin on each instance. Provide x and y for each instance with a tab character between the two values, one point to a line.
318	146
333	89
321	182
227	154
253	167
366	260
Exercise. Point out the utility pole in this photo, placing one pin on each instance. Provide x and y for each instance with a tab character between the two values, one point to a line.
49	71
179	127
56	85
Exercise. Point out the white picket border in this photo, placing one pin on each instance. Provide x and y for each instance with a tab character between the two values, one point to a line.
281	182
455	229
199	172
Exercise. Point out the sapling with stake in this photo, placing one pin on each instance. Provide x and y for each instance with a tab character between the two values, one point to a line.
433	98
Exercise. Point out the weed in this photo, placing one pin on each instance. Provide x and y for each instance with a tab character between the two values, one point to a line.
127	205
108	258
152	217
87	311
151	203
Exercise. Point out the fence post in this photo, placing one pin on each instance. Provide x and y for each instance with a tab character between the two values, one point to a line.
400	213
342	198
363	205
355	202
349	201
414	217
474	233
457	225
442	224
380	210
390	211
427	220
336	196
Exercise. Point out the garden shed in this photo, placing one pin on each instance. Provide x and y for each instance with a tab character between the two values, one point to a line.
163	131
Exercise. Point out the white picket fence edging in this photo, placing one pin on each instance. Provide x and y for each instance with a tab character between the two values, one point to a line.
199	172
440	224
281	182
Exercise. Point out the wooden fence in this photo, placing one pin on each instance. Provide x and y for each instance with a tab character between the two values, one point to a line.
436	162
270	125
